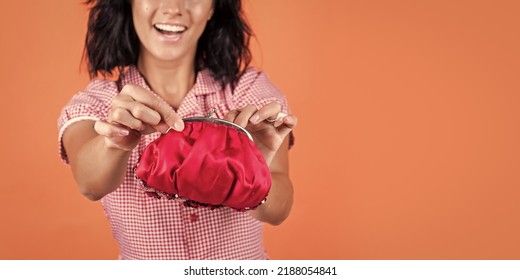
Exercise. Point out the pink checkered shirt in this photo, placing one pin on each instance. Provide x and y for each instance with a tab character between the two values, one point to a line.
150	228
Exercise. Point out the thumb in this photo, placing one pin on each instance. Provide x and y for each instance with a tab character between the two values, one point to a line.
286	125
110	130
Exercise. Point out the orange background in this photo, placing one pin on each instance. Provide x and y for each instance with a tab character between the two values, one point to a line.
407	148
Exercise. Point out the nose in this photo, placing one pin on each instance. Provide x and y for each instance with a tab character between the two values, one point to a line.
172	7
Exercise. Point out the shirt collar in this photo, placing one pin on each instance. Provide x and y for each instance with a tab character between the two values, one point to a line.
204	84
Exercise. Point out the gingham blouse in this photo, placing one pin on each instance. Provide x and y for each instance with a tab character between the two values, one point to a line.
150	228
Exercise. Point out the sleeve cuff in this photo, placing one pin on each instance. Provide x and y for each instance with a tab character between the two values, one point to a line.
67	124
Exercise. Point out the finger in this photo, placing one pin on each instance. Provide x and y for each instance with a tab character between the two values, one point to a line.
162	127
138	110
140	94
231	115
245	114
169	116
110	130
268	112
286	125
277	118
122	116
122	96
289	120
152	119
148	129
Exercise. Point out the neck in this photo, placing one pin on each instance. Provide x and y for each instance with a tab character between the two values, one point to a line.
169	79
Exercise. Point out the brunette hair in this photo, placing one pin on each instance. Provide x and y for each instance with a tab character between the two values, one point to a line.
111	43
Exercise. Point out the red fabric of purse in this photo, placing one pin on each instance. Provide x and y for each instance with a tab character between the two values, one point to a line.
211	163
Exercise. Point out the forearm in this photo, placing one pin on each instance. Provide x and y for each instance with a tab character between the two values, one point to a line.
99	170
279	201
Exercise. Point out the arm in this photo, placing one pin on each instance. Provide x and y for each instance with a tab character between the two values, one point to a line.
280	199
270	135
98	152
97	169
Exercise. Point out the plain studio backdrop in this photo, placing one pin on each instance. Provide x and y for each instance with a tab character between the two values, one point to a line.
407	147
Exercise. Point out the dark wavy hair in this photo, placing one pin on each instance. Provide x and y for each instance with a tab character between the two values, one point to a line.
112	44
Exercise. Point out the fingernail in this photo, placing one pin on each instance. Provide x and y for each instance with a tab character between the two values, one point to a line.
254	118
123	132
178	125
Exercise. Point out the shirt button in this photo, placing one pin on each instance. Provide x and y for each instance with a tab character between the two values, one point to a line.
194	217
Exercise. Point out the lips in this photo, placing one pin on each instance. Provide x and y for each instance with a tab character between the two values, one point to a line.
169	28
170	33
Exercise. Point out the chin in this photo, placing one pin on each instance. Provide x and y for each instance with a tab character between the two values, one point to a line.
169	55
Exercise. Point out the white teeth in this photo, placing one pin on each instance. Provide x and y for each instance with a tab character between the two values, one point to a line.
170	28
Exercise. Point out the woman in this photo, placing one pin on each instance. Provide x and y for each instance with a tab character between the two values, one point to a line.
175	59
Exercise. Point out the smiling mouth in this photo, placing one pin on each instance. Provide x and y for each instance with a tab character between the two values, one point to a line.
169	29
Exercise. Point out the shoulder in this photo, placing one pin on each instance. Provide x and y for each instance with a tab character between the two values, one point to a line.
255	87
96	92
93	101
101	85
253	79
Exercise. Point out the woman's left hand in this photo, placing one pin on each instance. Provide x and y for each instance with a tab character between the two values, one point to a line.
268	126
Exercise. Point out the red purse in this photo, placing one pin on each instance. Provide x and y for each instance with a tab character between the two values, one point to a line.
211	163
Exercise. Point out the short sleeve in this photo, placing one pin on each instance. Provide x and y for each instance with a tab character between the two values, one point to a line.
93	103
254	87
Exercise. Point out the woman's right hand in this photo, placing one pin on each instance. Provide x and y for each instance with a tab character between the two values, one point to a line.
136	111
